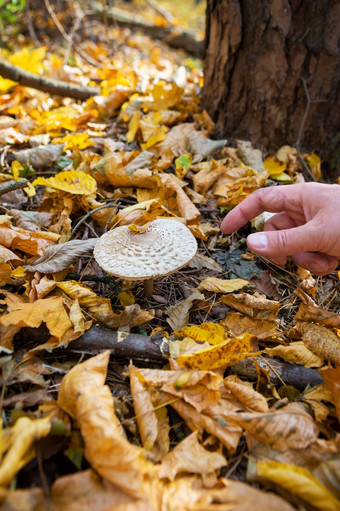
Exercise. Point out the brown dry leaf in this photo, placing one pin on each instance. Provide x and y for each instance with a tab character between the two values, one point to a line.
255	306
20	239
40	287
41	156
229	435
100	308
16	445
300	482
200	261
331	377
189	456
48	310
314	397
297	353
7	255
210	173
266	285
148	424
179	313
139	214
328	473
113	457
321	341
185	206
217	285
318	315
59	257
236	184
226	353
290	427
198	388
5	274
238	324
245	393
77	317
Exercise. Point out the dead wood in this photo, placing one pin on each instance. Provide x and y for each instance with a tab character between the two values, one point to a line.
143	348
45	84
11	185
174	36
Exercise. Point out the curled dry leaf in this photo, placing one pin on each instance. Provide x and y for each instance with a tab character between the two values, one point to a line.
238	324
178	314
331	377
189	456
246	394
310	312
151	430
255	306
290	427
217	285
321	341
106	449
300	482
297	353
59	257
200	261
7	255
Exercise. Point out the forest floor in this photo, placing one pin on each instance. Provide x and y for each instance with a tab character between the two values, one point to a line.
219	390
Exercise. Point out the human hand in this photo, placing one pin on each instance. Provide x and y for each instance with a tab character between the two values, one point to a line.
306	225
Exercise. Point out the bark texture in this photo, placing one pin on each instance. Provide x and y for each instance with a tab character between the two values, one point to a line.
258	54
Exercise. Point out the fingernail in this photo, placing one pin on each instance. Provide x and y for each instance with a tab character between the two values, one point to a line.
257	241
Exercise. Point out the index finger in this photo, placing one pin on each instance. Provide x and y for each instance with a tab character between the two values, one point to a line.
273	199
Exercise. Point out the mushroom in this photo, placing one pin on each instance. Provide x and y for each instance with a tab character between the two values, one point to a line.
165	246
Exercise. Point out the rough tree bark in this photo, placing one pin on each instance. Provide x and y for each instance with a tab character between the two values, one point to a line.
265	62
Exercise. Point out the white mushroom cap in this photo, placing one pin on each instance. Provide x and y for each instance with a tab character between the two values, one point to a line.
165	246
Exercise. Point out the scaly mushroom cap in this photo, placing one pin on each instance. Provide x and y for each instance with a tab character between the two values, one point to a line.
165	246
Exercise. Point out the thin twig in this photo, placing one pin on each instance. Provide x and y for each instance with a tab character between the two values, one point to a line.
11	185
88	216
72	34
30	24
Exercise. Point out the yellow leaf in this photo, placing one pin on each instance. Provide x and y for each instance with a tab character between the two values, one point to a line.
314	163
74	141
71	181
213	333
5	273
18	273
222	285
158	135
274	167
17	441
300	482
238	324
245	393
28	59
133	127
226	353
48	310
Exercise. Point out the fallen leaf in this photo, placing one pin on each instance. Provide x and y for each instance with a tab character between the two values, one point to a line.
245	393
113	457
178	314
226	353
48	310
255	306
331	377
41	156
189	456
321	341
290	427
16	444
71	181
59	257
217	285
238	324
310	312
200	261
213	333
297	353
300	482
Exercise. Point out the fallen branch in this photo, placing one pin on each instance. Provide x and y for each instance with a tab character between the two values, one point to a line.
177	37
11	185
44	84
143	348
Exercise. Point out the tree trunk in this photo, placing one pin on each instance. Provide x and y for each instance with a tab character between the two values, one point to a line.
272	72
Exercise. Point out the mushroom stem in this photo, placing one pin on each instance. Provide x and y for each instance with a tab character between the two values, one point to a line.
148	288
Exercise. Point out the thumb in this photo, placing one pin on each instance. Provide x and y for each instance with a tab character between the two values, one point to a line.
284	242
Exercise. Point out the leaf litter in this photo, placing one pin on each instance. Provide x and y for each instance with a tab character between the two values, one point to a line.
80	431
